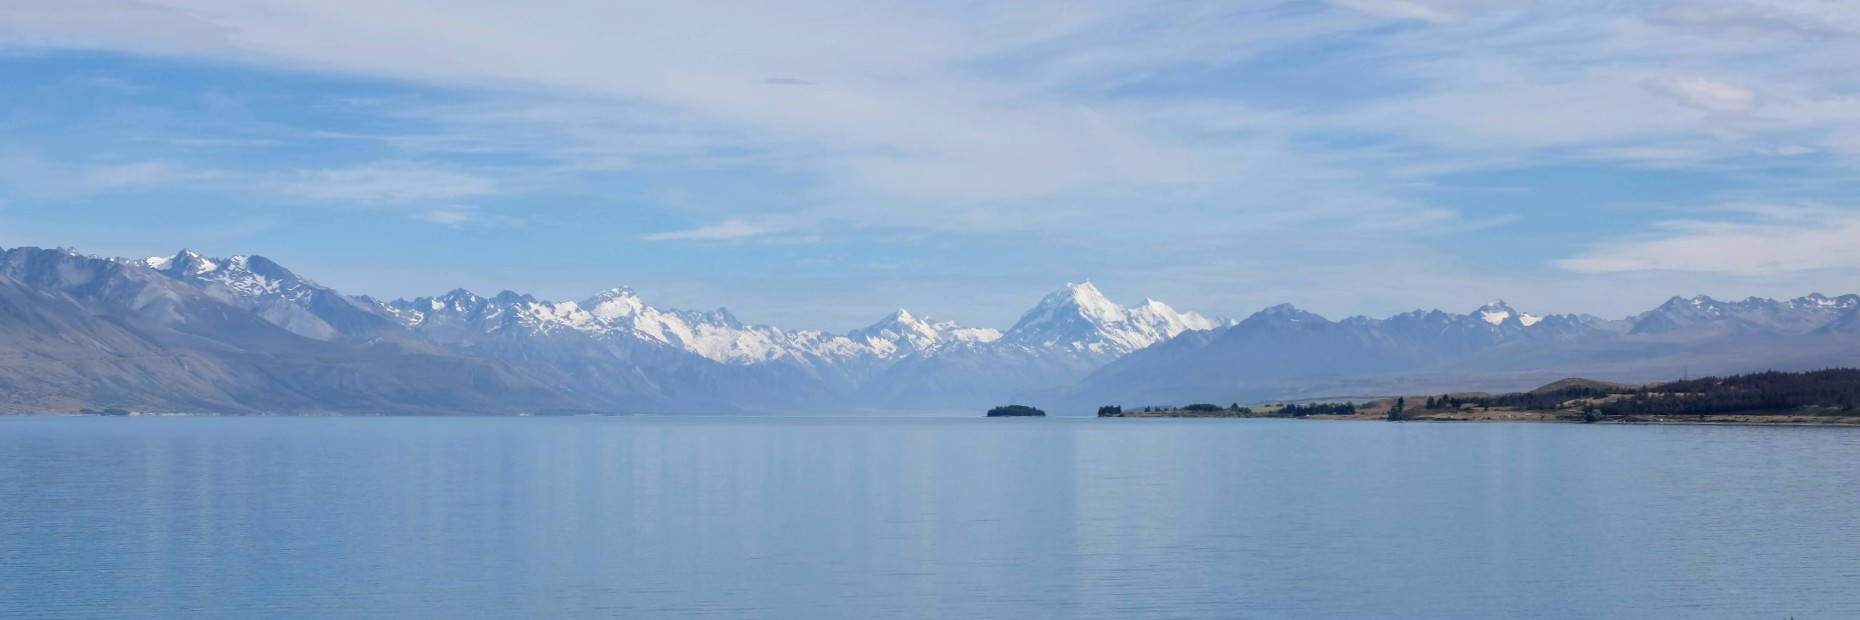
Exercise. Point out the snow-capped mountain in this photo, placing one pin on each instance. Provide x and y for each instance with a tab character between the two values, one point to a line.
902	333
619	315
81	331
719	336
1080	318
1283	352
1752	314
1498	313
274	293
244	334
1069	333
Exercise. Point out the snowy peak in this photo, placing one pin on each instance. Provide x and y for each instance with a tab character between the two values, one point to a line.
614	303
902	333
185	262
1820	301
1752	315
275	294
1080	318
1698	304
900	327
620	316
901	317
1083	298
251	277
1498	313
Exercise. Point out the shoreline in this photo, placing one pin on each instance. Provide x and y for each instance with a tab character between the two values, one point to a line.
1531	417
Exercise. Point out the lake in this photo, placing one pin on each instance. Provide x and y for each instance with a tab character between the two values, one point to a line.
923	518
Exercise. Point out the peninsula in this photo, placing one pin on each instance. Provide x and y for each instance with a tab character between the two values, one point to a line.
1819	397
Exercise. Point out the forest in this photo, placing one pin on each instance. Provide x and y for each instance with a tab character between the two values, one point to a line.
1833	391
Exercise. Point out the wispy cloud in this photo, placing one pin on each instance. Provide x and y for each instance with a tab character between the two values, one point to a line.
1436	11
1810	21
449	217
971	103
727	230
143	174
388	183
1758	241
1707	94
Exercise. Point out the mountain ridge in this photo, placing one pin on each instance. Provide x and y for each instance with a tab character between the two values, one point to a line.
610	352
1285	353
244	334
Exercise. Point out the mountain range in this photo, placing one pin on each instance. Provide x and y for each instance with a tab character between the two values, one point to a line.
1283	353
191	333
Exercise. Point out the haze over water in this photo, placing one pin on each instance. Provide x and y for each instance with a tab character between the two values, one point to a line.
936	518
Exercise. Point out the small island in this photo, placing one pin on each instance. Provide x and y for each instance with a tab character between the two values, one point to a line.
1015	411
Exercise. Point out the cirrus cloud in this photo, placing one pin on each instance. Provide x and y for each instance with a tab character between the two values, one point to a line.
727	230
387	183
1707	94
1759	241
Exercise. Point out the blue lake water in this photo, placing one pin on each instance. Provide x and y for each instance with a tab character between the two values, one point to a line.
932	518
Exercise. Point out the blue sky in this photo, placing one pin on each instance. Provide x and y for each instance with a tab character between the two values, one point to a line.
816	164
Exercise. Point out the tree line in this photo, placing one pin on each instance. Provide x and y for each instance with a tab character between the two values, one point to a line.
1533	401
1288	410
1769	391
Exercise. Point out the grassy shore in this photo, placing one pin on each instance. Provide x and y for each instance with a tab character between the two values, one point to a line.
1367	413
1825	397
1379	410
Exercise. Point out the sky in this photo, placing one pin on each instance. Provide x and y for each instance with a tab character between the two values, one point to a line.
817	164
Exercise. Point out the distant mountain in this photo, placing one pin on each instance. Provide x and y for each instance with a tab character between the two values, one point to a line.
1071	332
1080	319
1498	313
276	294
1286	353
902	334
244	334
79	331
192	333
694	361
1750	316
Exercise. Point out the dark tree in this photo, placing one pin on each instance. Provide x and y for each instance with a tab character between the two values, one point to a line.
1294	410
1015	411
1756	393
